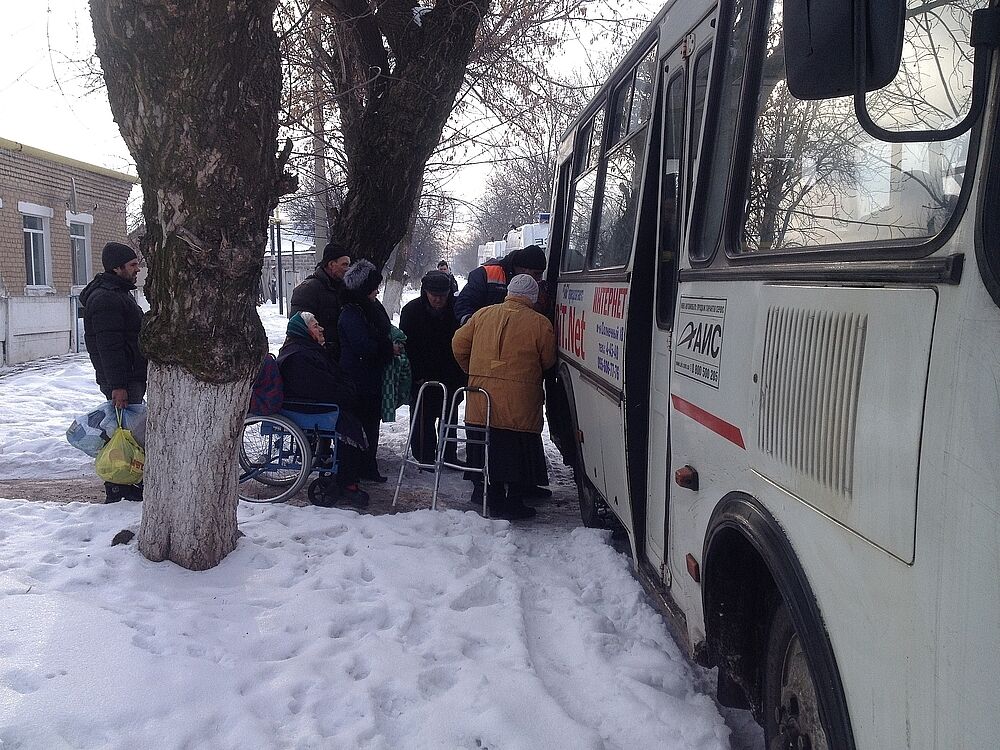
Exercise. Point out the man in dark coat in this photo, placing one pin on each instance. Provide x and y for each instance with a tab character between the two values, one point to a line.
487	285
321	292
111	319
443	267
429	324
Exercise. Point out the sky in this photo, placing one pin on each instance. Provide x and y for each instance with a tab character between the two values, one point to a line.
325	628
44	103
42	98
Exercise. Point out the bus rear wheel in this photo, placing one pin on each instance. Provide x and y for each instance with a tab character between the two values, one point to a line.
590	503
791	702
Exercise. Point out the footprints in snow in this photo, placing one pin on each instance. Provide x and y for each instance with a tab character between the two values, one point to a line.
483	593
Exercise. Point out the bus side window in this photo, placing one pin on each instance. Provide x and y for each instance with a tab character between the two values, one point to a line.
623	167
668	240
698	90
579	216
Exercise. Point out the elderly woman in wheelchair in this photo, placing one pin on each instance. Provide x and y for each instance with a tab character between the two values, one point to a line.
316	430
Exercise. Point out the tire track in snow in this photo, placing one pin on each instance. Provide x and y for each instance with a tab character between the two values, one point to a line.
602	652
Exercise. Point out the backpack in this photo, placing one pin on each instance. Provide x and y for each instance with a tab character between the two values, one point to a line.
268	389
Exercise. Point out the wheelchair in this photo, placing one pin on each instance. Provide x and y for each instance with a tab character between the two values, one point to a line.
277	452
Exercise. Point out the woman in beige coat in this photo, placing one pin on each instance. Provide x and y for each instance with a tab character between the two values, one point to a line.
505	349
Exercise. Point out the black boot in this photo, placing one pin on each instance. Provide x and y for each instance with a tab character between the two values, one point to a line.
516	511
477	493
533	492
372	474
505	503
114	492
354	496
496	500
132	492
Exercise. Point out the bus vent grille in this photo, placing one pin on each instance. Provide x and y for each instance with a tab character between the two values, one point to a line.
810	381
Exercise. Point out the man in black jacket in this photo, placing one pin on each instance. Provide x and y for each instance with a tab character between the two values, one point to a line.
111	319
487	285
429	324
320	293
443	267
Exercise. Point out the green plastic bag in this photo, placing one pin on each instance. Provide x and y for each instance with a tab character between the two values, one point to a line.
121	461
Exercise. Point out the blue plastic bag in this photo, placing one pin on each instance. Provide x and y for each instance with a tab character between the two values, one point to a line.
90	432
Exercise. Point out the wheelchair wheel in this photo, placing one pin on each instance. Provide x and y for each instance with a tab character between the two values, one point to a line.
275	459
323	492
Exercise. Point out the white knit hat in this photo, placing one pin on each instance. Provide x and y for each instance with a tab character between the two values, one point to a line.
523	285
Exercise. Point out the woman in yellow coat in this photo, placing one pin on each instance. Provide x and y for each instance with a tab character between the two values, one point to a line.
505	349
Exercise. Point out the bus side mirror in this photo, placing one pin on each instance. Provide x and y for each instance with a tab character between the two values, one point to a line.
819	45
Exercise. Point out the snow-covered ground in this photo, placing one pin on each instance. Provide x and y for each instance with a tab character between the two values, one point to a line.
324	628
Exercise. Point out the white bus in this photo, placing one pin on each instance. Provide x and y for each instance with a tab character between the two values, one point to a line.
777	312
529	234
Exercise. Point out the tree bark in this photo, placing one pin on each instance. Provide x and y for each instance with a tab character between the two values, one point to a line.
194	87
392	120
321	233
192	523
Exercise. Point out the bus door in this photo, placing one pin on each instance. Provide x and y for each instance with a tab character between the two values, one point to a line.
684	82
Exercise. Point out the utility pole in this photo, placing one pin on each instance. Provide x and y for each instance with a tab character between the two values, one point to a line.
281	280
270	267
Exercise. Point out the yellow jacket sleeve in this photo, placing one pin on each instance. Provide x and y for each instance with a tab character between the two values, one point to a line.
461	345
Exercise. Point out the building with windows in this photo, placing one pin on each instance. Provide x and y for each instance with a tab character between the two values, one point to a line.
56	214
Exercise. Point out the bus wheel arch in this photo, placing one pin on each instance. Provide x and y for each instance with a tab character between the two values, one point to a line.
757	600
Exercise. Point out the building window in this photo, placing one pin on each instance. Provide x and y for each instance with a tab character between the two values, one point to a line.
37	247
80	251
34	251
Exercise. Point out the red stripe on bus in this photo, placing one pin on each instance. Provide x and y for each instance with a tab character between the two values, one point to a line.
721	427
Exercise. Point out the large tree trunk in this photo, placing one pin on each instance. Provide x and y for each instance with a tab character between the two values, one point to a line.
196	526
393	121
194	87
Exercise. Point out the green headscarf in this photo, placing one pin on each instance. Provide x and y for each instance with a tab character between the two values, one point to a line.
297	327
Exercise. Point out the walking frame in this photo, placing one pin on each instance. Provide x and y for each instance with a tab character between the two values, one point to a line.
448	432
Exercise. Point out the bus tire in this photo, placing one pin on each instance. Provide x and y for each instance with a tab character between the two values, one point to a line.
791	702
590	502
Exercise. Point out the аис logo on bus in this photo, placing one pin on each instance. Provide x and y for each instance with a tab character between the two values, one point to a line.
704	338
572	324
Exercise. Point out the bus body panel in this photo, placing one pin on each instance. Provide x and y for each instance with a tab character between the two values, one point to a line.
958	523
838	418
590	333
589	423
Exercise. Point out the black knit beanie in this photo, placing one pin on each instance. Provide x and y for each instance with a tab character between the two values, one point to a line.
332	251
436	282
531	257
115	254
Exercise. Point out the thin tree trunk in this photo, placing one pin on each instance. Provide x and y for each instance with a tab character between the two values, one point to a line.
198	520
393	295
